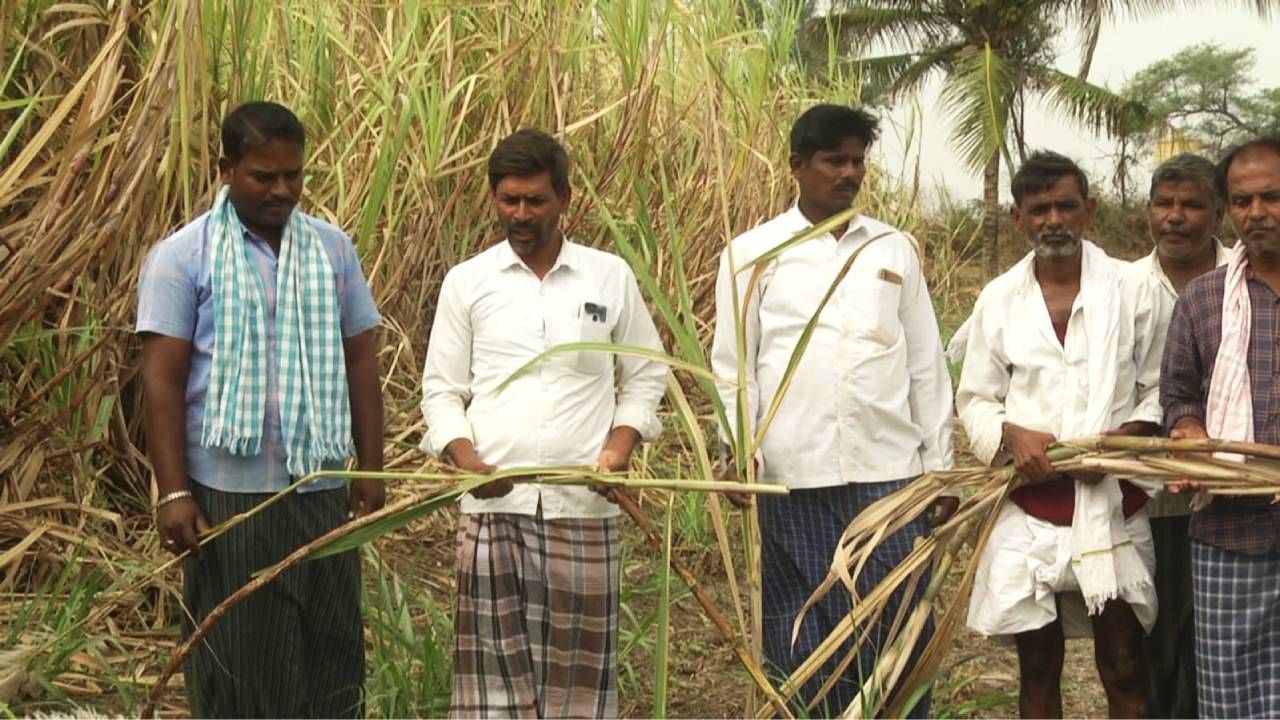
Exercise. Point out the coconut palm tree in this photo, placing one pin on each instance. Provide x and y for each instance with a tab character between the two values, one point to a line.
992	55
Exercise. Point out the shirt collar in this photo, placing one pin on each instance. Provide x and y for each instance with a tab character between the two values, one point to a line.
570	256
1221	255
797	222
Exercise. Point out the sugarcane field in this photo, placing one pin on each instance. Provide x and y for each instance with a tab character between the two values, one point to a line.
639	358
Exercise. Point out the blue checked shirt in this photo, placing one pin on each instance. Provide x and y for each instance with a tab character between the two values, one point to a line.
1244	525
175	299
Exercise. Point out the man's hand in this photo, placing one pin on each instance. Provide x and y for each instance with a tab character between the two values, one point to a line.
942	509
462	454
1187	428
1135	428
365	495
729	473
1027	448
615	457
179	524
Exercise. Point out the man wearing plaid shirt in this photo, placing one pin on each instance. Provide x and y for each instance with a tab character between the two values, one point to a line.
1218	379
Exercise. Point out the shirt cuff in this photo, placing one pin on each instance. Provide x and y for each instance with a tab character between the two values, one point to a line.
438	436
358	326
985	443
167	329
1177	411
644	421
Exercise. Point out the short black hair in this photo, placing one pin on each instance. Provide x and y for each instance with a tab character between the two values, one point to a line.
1185	167
254	124
1220	177
1040	171
825	126
528	152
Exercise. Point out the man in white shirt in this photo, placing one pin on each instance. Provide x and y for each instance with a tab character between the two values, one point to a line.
1063	345
536	624
868	408
1184	213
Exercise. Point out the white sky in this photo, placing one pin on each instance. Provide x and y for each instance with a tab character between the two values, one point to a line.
1125	47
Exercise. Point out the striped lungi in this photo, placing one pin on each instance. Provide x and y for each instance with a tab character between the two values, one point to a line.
1237	606
798	534
536	624
294	648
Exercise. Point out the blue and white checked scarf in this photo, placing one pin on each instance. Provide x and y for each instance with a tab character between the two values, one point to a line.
315	412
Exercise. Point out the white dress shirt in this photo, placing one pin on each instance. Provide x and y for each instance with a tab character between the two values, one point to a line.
1015	369
494	316
1164	296
871	398
1105	373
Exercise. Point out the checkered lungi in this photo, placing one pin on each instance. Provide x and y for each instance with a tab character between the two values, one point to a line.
536	624
1237	606
799	533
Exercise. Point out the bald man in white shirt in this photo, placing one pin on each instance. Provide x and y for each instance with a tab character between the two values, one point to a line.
868	409
536	624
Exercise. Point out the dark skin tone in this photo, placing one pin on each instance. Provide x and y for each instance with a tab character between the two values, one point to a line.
1052	220
1253	204
528	209
268	181
1183	216
828	182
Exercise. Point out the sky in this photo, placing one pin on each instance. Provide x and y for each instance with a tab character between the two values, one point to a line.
1125	46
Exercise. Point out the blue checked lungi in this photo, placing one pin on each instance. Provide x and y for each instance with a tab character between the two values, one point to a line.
798	534
1237	606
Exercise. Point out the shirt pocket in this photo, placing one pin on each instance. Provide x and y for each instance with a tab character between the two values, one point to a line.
869	309
579	327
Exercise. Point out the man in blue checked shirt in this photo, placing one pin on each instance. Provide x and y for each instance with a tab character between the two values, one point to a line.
258	367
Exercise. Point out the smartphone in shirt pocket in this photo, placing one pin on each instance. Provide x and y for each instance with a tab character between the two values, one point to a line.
591	322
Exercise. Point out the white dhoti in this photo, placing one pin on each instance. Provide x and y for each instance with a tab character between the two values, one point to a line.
1028	562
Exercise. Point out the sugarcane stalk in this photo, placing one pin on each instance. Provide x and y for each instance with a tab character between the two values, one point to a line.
717	618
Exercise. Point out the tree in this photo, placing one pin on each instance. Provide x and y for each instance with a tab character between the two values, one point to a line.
992	55
1203	93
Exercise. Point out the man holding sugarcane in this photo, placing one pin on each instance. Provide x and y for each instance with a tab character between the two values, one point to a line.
258	367
1063	345
1184	214
1218	380
536	621
869	405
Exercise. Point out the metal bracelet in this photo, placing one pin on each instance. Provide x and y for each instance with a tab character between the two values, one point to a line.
175	495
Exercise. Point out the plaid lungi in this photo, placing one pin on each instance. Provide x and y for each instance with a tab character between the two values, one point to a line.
1237	606
536	625
799	533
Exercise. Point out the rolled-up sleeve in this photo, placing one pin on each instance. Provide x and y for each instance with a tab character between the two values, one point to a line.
641	382
1181	370
167	301
446	375
984	381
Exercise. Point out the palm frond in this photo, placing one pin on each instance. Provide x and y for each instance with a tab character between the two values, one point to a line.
1092	106
867	24
895	76
978	95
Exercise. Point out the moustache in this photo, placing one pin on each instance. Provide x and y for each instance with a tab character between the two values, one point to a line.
850	187
1056	236
1175	232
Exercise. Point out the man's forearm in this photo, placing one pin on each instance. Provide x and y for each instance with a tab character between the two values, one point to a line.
366	415
165	423
622	439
